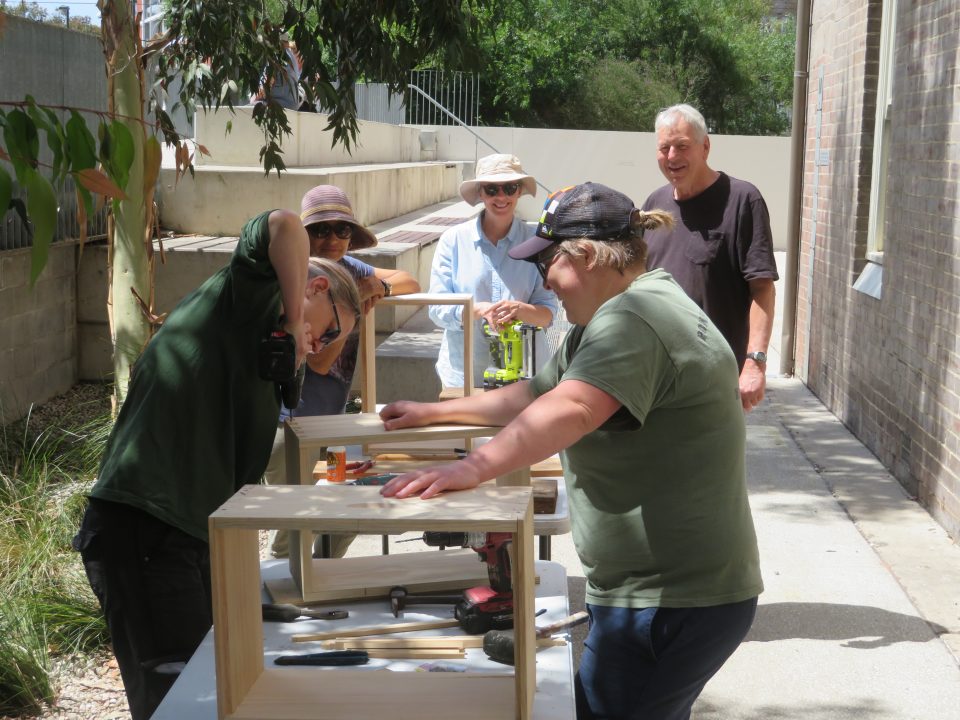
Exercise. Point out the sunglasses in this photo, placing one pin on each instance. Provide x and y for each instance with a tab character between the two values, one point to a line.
509	189
333	333
342	230
545	260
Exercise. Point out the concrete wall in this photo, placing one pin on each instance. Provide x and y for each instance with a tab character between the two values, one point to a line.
219	200
623	160
38	337
888	367
309	145
37	329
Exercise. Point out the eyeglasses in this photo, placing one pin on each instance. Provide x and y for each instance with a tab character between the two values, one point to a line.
342	230
333	333
509	189
545	260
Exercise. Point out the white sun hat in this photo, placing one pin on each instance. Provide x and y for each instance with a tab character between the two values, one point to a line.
499	168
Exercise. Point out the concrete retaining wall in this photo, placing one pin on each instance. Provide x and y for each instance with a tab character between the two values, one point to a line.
38	326
38	337
309	145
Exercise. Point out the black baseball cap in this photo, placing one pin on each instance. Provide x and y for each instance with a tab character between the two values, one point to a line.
590	210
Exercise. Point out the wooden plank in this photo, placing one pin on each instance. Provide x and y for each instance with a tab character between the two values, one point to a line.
351	508
461	642
418	653
367	427
235	576
296	693
524	630
376	630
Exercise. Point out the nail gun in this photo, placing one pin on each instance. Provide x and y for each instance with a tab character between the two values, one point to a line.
485	607
512	354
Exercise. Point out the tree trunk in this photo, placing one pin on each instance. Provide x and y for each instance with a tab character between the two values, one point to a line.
129	264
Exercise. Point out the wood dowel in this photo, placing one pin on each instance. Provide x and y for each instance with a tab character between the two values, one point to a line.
376	630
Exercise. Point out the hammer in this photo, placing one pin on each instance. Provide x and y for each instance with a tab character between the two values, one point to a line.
498	644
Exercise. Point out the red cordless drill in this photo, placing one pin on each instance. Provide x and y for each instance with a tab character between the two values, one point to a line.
485	607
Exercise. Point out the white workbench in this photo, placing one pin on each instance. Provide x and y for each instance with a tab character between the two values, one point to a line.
194	695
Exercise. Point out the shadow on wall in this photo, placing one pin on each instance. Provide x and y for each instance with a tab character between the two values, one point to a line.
858	626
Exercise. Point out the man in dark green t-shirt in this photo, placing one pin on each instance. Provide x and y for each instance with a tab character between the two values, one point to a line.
197	424
642	401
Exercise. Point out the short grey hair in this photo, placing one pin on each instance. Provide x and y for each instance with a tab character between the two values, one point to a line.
669	117
621	254
343	289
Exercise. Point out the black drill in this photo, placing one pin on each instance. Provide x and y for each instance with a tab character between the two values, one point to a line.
485	607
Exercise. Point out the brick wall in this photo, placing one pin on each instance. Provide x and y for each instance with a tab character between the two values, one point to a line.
888	367
38	336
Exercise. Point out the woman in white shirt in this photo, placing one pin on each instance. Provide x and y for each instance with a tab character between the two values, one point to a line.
472	258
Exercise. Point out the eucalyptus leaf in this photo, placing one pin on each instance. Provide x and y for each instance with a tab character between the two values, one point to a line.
81	147
123	153
42	208
6	190
22	141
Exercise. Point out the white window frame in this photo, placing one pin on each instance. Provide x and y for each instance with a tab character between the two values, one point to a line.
870	281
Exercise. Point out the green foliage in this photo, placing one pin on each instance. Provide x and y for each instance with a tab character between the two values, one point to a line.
612	64
47	609
73	150
339	44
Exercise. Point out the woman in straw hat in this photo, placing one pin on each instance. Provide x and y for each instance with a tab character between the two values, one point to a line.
327	215
472	258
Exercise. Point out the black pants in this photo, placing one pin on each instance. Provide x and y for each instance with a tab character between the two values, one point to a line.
153	583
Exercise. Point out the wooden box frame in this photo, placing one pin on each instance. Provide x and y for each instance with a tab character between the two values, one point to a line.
247	690
320	580
368	344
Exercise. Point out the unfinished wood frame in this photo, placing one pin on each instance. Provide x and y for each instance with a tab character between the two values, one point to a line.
368	345
246	689
312	576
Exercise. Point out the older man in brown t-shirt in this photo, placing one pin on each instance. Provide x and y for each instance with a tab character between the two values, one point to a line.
721	248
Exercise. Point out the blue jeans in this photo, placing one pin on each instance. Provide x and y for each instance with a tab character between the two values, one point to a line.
652	663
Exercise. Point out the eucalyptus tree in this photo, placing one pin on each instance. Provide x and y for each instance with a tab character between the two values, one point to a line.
213	51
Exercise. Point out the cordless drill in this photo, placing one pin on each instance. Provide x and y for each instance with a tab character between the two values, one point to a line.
485	607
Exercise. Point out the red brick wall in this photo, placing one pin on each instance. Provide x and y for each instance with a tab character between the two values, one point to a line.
888	367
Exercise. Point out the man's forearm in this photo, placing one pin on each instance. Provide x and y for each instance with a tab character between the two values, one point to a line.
763	302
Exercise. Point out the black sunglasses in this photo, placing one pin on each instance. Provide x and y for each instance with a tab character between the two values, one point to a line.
545	259
509	189
333	333
342	230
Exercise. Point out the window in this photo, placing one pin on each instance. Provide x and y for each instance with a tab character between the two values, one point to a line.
870	280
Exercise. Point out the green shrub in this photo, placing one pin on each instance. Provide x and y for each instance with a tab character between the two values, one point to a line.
48	608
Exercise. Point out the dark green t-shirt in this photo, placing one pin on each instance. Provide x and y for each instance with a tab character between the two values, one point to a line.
658	495
198	422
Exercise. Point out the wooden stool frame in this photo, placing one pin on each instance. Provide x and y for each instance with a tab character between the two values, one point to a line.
246	689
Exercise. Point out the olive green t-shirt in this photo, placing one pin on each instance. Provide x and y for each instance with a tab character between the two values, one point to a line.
198	422
658	495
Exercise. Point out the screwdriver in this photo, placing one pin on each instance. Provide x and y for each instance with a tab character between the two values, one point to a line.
289	613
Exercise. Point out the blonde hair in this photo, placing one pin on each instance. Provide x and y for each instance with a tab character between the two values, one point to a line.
621	254
343	289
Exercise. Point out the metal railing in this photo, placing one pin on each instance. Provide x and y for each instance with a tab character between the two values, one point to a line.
452	96
14	234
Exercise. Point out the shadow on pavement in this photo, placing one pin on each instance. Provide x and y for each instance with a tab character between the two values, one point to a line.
862	627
